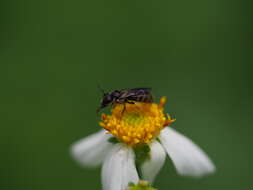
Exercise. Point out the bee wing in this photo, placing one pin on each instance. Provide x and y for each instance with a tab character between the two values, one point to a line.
138	91
140	94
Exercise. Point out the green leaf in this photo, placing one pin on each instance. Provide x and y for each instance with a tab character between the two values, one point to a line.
141	153
113	140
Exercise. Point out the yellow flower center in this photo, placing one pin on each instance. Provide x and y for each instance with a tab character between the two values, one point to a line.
136	123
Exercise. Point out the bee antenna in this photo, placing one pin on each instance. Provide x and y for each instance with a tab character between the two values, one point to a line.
101	89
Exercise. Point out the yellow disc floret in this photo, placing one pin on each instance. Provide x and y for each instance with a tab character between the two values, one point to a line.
136	123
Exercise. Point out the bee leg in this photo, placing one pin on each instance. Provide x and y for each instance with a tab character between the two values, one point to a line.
123	110
130	102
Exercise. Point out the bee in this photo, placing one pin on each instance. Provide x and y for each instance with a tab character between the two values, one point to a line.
124	96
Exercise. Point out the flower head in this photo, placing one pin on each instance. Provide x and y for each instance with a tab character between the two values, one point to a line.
141	185
137	123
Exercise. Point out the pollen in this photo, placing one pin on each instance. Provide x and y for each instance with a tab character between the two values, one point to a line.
137	123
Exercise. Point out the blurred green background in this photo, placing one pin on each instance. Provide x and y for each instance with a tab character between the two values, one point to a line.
54	53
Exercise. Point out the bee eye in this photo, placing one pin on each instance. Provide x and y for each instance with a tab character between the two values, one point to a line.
107	100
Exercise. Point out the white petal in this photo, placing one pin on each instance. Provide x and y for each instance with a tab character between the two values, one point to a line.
151	167
187	157
91	151
119	168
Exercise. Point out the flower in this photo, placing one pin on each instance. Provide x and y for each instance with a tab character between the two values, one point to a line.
133	144
141	185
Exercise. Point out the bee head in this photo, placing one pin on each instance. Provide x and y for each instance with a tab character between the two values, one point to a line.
106	100
115	94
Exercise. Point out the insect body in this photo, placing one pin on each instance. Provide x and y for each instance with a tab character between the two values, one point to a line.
126	96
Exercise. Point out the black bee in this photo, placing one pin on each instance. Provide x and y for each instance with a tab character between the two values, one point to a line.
126	96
